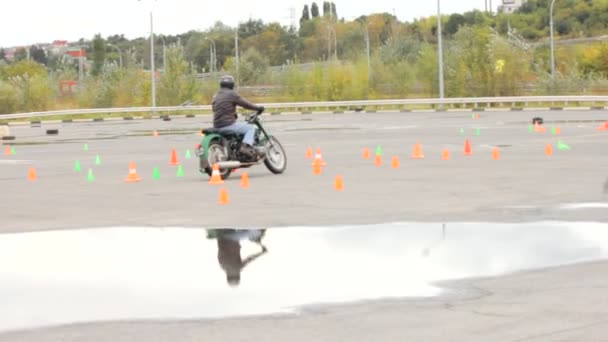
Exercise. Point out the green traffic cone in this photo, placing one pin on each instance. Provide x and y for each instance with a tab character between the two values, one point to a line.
90	176
188	155
531	128
379	150
85	147
562	147
478	132
97	160
156	173
461	131
180	171
13	152
77	166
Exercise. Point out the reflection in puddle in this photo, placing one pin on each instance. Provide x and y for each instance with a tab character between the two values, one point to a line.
229	250
59	277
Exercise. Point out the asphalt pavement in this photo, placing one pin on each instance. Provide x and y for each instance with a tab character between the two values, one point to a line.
524	185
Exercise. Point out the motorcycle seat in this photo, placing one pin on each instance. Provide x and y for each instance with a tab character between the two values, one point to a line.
211	130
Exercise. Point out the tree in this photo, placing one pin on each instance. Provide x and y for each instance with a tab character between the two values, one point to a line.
178	83
99	55
20	54
333	10
253	66
38	55
314	10
454	22
326	8
250	28
305	14
2	55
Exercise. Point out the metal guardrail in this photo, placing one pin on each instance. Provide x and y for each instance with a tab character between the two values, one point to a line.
502	101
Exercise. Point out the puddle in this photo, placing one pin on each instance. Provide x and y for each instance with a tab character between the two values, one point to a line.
61	277
576	206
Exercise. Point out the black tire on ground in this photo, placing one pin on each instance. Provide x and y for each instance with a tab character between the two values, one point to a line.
52	131
537	120
8	137
276	166
215	154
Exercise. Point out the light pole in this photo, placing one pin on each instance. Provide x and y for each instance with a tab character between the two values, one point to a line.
440	52
552	43
119	53
152	69
213	55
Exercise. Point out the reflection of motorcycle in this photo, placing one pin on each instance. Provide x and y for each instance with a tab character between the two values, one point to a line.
229	250
223	148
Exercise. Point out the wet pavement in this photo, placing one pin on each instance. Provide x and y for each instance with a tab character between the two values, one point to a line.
71	276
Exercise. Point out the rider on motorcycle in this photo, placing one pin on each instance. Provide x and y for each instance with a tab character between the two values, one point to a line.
225	117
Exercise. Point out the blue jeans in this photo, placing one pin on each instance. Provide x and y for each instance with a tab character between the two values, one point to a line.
242	128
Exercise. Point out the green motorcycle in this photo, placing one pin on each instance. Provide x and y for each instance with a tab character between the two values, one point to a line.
223	149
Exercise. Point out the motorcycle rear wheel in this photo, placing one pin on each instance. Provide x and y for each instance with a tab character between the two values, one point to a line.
216	153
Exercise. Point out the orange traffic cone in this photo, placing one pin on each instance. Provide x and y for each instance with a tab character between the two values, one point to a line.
445	155
155	134
133	176
7	151
558	131
174	160
216	178
309	153
538	128
495	153
245	180
224	199
395	162
603	127
378	160
468	151
317	170
318	158
339	183
366	153
549	150
31	175
418	152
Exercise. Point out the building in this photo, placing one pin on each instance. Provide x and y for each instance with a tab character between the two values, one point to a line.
510	6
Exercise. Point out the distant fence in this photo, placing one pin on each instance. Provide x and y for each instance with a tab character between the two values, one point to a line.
515	102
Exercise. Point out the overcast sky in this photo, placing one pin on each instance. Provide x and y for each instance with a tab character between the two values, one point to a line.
28	22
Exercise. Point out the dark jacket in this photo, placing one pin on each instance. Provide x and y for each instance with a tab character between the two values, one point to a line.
224	107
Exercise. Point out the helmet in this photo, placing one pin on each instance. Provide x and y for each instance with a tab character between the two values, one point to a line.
227	81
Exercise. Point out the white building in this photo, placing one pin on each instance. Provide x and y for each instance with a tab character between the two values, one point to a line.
509	6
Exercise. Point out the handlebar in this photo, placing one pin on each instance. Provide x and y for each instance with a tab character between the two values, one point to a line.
255	114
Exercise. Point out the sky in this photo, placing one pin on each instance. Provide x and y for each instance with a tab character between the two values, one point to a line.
41	21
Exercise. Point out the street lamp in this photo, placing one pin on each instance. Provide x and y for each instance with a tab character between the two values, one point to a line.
440	51
213	55
152	69
552	43
119	53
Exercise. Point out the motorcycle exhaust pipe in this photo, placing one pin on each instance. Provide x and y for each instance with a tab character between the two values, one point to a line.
229	164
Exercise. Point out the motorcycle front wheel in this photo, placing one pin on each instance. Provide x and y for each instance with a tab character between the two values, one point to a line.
276	158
